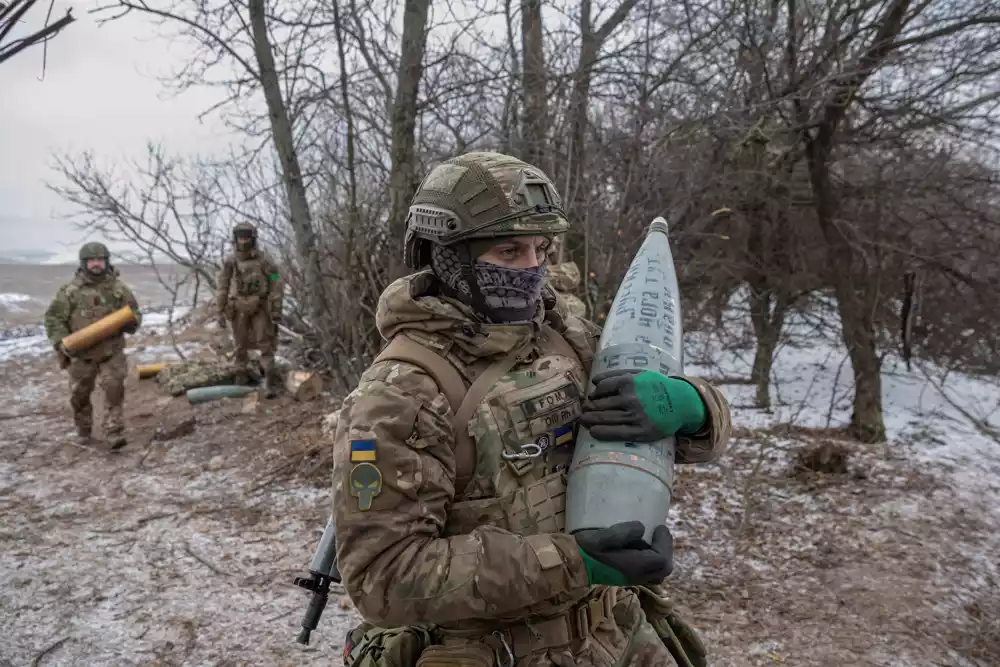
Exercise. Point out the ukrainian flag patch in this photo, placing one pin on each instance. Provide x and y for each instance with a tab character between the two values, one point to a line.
362	450
563	434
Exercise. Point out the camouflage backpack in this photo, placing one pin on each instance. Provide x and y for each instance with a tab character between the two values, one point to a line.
681	639
369	646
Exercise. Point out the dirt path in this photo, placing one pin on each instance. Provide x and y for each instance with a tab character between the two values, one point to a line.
887	565
160	555
155	555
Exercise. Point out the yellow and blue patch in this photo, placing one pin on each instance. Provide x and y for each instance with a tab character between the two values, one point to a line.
563	434
362	450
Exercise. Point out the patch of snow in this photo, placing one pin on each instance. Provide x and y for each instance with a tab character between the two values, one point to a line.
12	301
813	384
27	346
68	256
937	478
158	322
32	342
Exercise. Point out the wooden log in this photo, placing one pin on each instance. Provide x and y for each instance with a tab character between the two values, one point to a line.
303	385
250	403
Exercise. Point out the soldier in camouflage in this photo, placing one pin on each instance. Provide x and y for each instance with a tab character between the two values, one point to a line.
94	293
249	293
472	546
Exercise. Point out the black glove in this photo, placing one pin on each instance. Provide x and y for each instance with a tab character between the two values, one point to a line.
130	328
633	406
63	356
618	556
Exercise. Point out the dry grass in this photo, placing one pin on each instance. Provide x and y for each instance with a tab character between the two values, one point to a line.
979	637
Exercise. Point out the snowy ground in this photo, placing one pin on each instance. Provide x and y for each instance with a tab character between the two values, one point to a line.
892	563
164	553
167	553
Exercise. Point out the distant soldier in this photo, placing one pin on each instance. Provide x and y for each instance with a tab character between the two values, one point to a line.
249	294
94	293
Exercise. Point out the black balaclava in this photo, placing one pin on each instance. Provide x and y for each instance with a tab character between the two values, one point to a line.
500	294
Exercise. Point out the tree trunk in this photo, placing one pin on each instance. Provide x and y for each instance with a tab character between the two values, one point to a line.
533	85
579	101
510	141
767	313
771	276
849	268
851	289
352	185
403	177
295	188
591	41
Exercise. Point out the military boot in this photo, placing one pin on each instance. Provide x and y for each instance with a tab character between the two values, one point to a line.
271	383
83	435
117	440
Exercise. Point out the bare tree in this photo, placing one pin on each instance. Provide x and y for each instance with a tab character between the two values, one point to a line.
533	84
591	40
300	215
766	129
403	179
12	12
222	33
823	90
162	208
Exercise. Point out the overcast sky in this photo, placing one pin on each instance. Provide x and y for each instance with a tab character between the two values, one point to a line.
100	92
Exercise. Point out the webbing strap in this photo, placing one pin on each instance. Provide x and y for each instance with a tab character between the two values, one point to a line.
463	401
537	634
473	398
447	377
561	345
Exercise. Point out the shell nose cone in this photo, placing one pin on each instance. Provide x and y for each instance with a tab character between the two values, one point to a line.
659	224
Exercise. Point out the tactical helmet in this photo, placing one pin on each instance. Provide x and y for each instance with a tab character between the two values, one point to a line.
94	250
480	195
245	230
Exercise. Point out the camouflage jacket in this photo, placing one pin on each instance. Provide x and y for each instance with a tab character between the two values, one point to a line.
83	301
411	547
249	282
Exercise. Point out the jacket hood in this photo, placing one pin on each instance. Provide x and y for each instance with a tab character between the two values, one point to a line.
413	304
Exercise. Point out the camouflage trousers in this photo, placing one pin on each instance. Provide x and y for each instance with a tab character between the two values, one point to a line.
619	637
254	331
82	379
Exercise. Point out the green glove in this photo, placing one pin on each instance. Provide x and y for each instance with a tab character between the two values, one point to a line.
618	556
644	406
